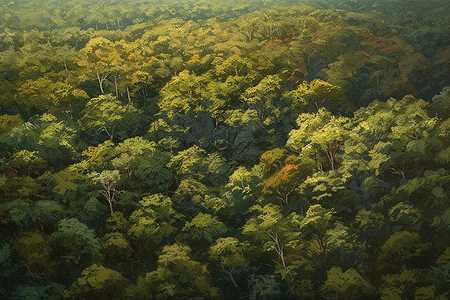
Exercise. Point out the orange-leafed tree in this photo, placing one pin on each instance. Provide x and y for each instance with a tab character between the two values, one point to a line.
284	182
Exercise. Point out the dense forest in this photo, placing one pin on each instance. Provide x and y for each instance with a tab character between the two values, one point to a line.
224	150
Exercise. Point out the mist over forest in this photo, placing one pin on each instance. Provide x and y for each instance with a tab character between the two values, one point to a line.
207	149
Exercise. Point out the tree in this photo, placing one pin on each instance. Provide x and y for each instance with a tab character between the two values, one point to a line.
243	191
177	275
8	122
400	285
53	139
204	227
442	269
197	164
49	212
25	163
401	132
264	287
106	113
20	213
229	253
318	134
51	93
403	245
109	180
406	215
285	181
43	292
316	92
350	284
155	221
77	239
99	59
116	247
316	223
262	97
97	282
270	231
183	94
34	250
138	161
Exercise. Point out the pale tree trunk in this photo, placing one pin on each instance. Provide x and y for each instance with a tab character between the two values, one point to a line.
101	78
117	89
278	248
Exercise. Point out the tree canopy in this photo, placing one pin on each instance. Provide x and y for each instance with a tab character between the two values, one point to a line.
206	149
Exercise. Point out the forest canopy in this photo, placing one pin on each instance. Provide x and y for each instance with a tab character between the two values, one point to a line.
224	150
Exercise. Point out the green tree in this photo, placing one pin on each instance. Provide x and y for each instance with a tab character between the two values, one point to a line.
183	94
349	284
270	231
34	250
403	245
262	98
26	163
155	221
243	191
264	287
21	213
317	222
229	253
141	165
316	92
106	113
42	292
54	140
109	180
115	247
400	285
194	162
407	215
98	282
8	122
204	227
77	239
49	211
177	275
319	137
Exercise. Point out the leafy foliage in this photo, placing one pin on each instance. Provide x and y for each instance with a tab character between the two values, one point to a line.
155	220
97	281
349	283
77	237
246	150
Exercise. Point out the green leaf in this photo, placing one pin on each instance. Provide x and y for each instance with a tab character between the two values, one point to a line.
155	220
5	252
78	237
21	212
204	226
105	113
40	292
403	245
349	283
49	211
98	281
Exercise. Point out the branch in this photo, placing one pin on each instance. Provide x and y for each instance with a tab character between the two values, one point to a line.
395	171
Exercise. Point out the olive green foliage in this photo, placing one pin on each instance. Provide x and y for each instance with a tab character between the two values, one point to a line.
106	113
97	281
177	275
349	283
205	227
207	149
155	220
77	237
